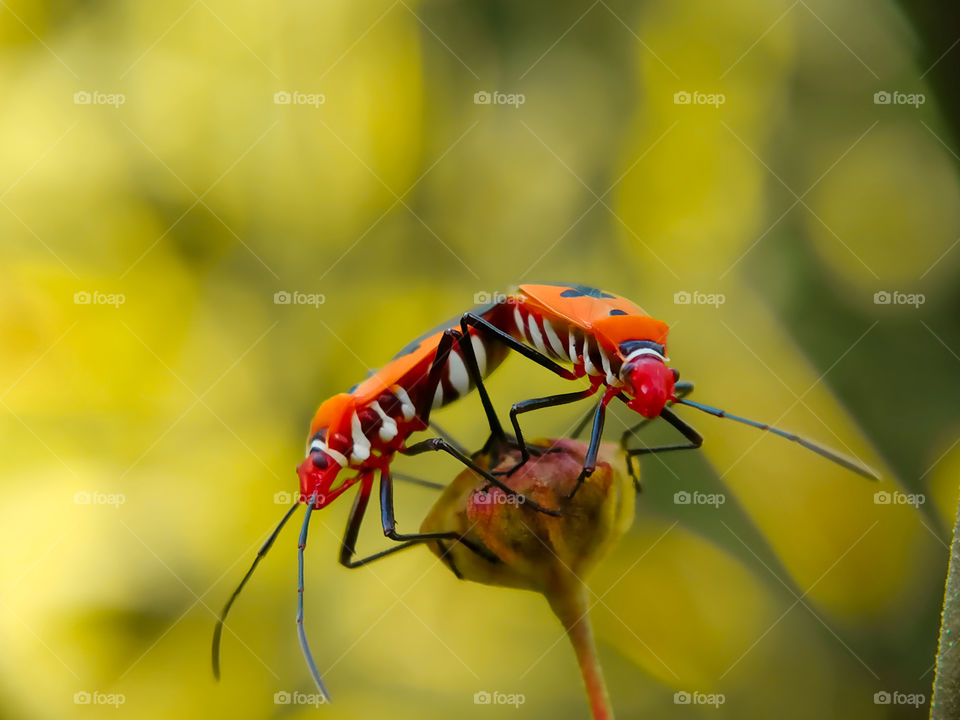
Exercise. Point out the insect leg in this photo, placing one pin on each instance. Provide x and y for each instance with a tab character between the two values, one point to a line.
694	440
681	390
389	521
471	319
439	444
348	546
349	542
590	461
446	436
582	424
434	377
528	352
473	367
445	554
403	477
537	404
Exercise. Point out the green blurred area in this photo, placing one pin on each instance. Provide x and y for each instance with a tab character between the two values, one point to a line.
180	412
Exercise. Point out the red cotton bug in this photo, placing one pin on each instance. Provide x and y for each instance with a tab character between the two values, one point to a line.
361	431
615	344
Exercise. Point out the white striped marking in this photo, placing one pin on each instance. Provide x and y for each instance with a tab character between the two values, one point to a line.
535	335
406	407
518	319
480	353
605	361
634	355
457	372
388	428
573	347
587	362
321	446
361	445
643	351
553	339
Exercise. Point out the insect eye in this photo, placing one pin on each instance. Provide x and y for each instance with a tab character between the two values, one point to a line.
319	460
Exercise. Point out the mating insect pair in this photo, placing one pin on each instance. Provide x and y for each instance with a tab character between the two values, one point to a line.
574	331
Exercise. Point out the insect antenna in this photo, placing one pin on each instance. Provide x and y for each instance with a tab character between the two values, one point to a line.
218	630
301	633
829	454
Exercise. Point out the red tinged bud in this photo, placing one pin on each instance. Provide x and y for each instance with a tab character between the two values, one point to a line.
536	551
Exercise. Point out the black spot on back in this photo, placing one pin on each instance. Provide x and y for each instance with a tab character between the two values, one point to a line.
617	311
585	291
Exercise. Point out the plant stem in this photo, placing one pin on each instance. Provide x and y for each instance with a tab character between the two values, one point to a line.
946	687
569	603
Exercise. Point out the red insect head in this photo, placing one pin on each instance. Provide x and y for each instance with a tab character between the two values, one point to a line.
650	383
319	471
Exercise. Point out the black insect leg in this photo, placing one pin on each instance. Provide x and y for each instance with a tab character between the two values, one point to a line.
537	404
388	520
441	445
590	461
681	390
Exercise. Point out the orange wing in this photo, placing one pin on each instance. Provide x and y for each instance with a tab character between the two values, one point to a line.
335	412
577	304
611	318
420	351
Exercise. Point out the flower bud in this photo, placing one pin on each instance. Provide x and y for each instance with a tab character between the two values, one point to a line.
536	551
524	548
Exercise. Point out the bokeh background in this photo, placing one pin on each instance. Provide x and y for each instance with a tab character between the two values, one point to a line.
157	194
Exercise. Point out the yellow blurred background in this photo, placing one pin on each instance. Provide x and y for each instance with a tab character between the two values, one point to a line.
169	170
